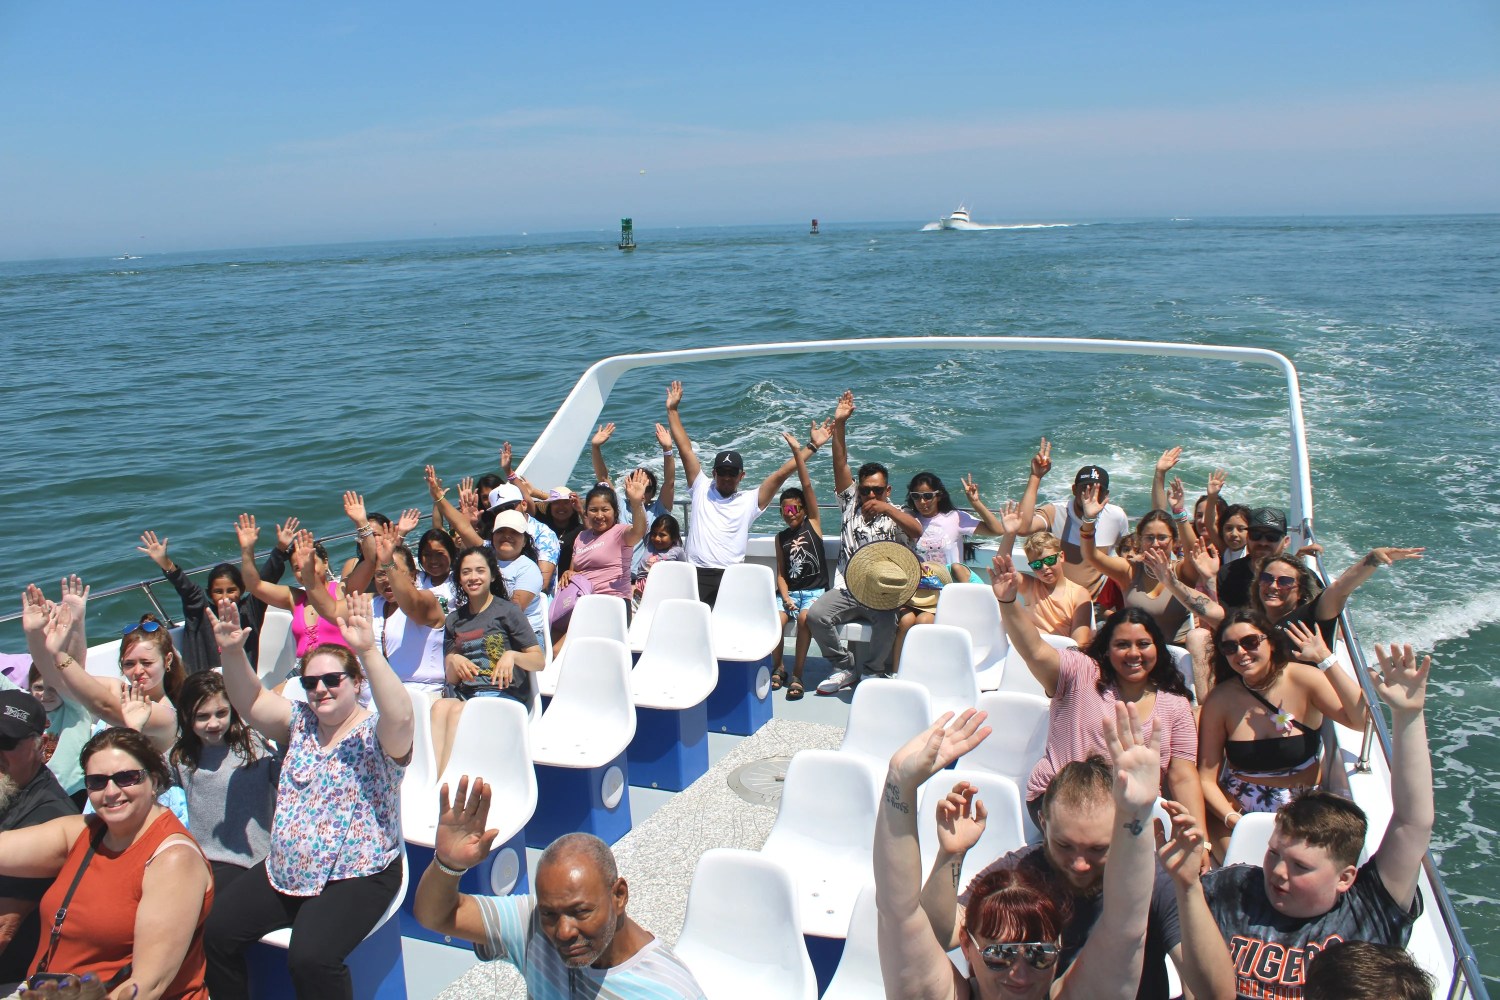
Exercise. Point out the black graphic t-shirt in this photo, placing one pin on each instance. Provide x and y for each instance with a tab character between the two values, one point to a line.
802	558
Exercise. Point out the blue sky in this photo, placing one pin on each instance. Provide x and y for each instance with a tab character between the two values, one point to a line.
172	125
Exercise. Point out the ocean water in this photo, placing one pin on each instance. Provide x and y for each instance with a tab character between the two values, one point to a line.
172	392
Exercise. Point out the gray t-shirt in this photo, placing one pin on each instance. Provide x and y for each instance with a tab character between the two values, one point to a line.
1271	951
231	803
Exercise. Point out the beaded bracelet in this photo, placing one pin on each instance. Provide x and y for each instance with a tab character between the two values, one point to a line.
455	872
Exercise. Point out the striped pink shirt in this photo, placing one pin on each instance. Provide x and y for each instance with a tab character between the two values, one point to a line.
1075	726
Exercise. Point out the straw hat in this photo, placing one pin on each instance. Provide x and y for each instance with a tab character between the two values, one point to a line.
883	575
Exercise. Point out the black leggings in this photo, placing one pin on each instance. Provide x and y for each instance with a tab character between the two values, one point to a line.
325	929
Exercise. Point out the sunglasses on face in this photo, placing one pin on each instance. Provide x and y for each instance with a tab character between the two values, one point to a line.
924	494
122	779
790	509
872	491
147	627
1038	954
1284	582
1258	535
330	681
1249	643
1045	561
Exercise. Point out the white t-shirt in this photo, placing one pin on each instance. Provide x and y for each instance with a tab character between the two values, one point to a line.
415	652
942	539
1109	529
720	525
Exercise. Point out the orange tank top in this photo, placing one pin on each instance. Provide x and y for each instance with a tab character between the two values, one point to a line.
98	934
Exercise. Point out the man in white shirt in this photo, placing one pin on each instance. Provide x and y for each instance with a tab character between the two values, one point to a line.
1064	518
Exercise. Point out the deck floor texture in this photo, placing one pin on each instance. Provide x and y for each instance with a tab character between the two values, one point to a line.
658	856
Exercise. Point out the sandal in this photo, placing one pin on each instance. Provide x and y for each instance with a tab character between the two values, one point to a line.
778	678
794	690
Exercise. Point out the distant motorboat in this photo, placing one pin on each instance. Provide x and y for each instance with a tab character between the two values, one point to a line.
958	220
128	257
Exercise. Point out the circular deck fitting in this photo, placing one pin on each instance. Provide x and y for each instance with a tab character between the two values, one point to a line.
760	782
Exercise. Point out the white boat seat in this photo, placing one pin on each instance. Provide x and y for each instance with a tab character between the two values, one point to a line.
939	658
1003	830
591	718
664	581
883	716
972	607
678	669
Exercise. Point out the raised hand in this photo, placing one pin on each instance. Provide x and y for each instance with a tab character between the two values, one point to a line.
506	457
1157	564
674	396
410	518
819	433
462	840
1010	517
1215	482
385	543
1181	848
1041	462
358	626
285	532
1205	559
1137	763
663	438
791	442
154	548
228	632
434	484
960	819
602	434
938	745
844	409
971	489
1308	642
468	505
635	486
302	553
1401	682
467	492
1004	580
1386	555
1090	501
57	627
75	595
35	610
247	532
1177	495
135	707
354	508
1168	459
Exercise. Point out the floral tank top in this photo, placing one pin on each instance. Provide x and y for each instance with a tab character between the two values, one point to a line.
338	811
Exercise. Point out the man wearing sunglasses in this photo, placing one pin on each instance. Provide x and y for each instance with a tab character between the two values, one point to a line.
29	795
867	516
1267	538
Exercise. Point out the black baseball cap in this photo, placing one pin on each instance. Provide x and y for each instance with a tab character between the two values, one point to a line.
730	462
1091	474
21	715
1268	517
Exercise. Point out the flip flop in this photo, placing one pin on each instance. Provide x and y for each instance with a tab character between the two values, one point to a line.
794	690
778	679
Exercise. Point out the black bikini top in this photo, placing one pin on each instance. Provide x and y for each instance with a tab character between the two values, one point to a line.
1277	753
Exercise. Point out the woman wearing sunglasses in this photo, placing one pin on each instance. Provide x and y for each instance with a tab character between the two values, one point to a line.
335	860
1284	590
1011	932
151	672
1258	733
130	890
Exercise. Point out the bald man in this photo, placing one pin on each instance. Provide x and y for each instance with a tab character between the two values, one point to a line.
576	928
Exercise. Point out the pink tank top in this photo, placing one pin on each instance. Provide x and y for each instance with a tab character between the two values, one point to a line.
310	628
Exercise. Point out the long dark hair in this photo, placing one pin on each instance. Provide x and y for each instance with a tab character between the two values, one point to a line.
673	528
226	571
944	502
442	540
497	582
1280	654
1307	588
1164	675
197	689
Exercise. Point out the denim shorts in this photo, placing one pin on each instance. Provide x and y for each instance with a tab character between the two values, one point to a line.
801	600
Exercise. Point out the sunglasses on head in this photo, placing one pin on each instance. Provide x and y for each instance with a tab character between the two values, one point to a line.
1249	643
331	681
122	779
872	491
1284	582
1265	535
1045	561
141	627
924	494
1038	954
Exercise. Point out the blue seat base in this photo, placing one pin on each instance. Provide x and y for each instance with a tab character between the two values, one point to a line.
573	800
502	871
375	966
670	749
741	701
825	954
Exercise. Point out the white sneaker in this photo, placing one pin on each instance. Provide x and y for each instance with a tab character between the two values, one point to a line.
839	680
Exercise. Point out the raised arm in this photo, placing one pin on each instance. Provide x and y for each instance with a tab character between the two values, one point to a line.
1182	527
843	476
1207	609
274	594
304	567
1207	973
1109	964
194	600
668	493
1211	525
989	524
773	483
1112	566
1331	602
690	466
101	696
1336	694
394	722
817	436
635	494
596	452
914	964
1041	659
1041	464
1402	684
461	843
1164	464
421	606
359	576
442	508
268	712
961	820
38	616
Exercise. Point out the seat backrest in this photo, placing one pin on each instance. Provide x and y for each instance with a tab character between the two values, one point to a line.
103	660
1016	677
664	580
1003	830
493	742
742	935
278	648
883	716
679	655
592	701
600	615
1183	661
858	974
1018	734
745	622
1248	839
938	657
422	771
827	800
972	607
